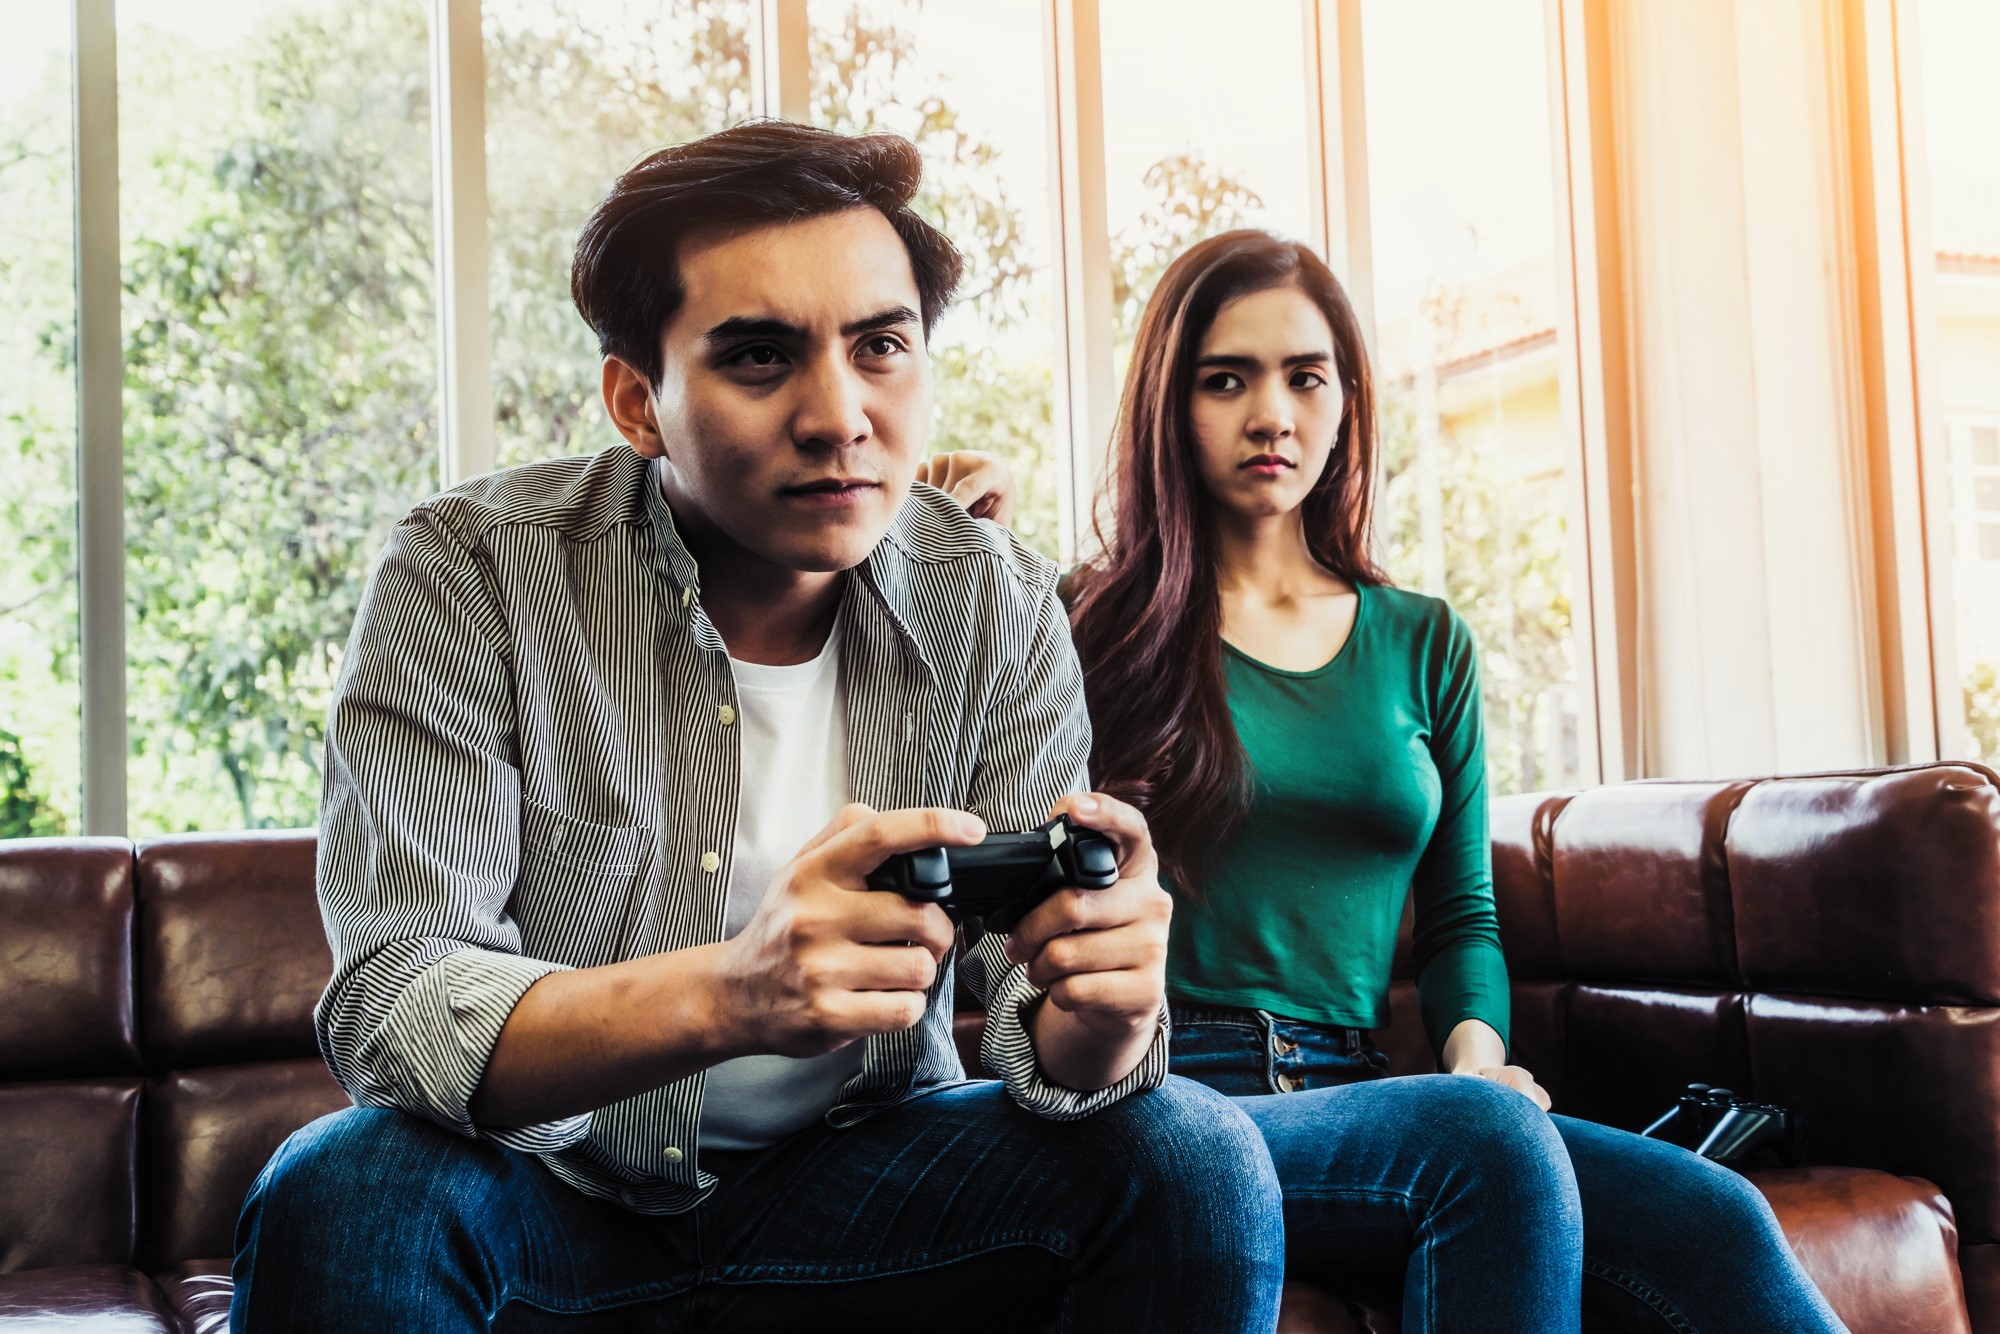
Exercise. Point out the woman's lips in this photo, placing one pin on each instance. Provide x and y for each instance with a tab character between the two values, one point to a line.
1266	465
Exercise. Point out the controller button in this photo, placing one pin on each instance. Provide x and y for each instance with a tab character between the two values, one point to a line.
930	869
1095	857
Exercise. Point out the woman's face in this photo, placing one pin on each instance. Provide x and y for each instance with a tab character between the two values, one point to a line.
1266	402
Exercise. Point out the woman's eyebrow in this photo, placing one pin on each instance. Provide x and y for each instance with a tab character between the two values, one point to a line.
1237	361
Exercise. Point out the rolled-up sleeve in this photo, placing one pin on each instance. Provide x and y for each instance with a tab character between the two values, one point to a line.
1037	750
420	843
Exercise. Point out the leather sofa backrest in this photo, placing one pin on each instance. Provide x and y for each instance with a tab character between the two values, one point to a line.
1829	942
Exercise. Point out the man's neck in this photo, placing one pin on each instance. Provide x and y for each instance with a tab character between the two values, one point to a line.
765	613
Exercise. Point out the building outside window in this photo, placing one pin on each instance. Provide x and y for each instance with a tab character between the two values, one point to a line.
1960	105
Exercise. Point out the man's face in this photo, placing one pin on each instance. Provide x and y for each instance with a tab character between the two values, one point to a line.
795	393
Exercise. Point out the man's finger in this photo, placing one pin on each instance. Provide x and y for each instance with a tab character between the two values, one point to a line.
853	813
1073	910
1118	821
852	853
891	919
1083	952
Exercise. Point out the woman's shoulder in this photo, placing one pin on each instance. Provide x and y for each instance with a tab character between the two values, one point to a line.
1418	617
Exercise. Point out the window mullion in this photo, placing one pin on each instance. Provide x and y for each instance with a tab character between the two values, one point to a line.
458	176
100	415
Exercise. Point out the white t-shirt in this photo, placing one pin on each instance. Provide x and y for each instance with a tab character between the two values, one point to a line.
794	781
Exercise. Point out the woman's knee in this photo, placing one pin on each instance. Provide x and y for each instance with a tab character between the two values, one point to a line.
1497	1136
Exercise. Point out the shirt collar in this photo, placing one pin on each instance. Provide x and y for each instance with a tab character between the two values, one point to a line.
884	572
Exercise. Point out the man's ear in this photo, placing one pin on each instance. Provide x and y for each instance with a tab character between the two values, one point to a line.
629	399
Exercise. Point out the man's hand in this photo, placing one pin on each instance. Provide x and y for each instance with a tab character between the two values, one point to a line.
980	482
825	960
1473	1048
1100	954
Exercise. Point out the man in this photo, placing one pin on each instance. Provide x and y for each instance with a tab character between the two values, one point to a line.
616	743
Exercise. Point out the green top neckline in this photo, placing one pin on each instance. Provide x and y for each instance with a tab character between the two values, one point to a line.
1340	654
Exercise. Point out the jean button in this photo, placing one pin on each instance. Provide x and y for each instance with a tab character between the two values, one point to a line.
1286	1084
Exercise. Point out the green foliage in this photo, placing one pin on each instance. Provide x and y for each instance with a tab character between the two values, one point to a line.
1506	573
24	812
1982	710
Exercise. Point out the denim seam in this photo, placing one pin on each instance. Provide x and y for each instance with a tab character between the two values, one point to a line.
917	1262
1645	1292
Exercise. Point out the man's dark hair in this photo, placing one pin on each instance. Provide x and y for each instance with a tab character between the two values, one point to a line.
626	276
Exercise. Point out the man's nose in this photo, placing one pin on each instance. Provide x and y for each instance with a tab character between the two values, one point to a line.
832	408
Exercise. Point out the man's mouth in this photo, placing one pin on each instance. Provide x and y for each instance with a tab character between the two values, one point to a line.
831	490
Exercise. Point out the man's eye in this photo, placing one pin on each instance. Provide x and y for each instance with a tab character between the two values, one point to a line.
882	345
761	355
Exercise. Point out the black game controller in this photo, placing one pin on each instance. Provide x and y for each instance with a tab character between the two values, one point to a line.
1005	875
1717	1124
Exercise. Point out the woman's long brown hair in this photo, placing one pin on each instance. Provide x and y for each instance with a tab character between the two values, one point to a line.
1146	617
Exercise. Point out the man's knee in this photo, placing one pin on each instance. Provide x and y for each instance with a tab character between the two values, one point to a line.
1188	1145
361	1160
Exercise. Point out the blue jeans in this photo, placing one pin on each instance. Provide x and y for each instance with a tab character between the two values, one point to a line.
1481	1211
954	1210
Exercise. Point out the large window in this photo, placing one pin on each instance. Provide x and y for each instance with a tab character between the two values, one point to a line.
280	377
1961	105
1475	508
1204	131
963	83
576	91
279	164
40	775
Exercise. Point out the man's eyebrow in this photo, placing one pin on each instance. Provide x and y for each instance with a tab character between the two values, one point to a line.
1234	361
745	326
891	318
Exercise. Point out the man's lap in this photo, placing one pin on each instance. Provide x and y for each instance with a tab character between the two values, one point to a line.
958	1178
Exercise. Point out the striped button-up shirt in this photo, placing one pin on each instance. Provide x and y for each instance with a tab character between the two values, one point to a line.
531	765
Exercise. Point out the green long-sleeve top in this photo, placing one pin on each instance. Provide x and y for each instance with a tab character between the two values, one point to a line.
1367	785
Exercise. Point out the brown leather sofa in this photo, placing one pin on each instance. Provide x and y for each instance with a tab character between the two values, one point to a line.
1830	942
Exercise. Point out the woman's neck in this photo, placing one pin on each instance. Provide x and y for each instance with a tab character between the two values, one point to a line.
1266	557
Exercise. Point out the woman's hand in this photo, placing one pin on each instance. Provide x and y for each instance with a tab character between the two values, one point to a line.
1475	1049
980	482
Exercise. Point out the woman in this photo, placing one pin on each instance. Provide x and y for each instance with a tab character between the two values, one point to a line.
1307	744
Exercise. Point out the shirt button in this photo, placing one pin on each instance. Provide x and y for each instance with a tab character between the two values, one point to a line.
672	1154
726	715
709	861
629	1198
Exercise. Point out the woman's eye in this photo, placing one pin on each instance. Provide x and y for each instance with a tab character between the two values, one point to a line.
1308	380
1222	382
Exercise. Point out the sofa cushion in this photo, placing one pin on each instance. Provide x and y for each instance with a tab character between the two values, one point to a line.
1911	1089
1879	885
1657	844
1631	1052
1882	1248
66	1182
199	1291
66	958
209	1133
232	953
104	1299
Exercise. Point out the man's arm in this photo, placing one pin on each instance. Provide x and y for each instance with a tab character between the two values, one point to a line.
1102	952
823	962
434	1009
